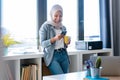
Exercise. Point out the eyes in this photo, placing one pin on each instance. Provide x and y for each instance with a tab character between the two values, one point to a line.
58	14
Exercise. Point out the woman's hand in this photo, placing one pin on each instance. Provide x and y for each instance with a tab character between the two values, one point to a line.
57	37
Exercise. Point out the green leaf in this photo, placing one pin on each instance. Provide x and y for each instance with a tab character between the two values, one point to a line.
98	62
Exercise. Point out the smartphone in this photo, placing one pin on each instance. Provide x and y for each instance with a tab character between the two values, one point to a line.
63	32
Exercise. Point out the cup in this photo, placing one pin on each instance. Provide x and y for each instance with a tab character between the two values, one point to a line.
95	72
88	73
66	39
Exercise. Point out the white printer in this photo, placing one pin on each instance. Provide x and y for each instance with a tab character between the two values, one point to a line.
88	45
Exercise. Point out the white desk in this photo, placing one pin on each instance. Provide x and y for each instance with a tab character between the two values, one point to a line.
76	58
75	76
68	76
71	51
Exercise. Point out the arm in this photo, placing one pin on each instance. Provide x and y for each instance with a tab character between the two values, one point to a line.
44	40
47	36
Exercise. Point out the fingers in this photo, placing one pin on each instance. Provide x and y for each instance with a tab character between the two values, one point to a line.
59	36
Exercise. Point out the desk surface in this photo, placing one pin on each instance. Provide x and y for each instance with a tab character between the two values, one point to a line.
14	55
74	76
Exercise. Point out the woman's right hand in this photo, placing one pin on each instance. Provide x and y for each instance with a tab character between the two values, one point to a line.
57	37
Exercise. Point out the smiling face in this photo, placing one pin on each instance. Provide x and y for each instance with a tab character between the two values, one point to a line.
57	16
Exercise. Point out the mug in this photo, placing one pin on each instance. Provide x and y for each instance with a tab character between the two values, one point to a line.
66	39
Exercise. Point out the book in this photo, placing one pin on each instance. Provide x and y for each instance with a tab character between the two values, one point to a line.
22	74
29	72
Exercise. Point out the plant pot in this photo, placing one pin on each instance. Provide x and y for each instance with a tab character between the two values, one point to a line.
88	72
5	51
95	72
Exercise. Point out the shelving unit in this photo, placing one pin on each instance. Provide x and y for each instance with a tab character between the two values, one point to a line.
15	61
31	67
86	55
77	57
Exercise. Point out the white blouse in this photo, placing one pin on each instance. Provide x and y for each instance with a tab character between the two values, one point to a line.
59	43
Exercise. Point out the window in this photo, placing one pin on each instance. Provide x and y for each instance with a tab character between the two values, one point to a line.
19	18
91	20
70	15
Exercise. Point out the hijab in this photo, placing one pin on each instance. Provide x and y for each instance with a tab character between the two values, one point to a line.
53	10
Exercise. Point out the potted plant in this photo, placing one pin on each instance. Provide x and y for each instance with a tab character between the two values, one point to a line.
8	41
96	70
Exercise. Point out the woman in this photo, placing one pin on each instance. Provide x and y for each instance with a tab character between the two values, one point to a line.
52	40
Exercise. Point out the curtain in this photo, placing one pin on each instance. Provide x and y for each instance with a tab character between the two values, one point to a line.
105	30
42	15
115	26
0	19
81	20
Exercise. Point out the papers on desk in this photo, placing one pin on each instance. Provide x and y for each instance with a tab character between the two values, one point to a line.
68	76
23	50
46	78
49	78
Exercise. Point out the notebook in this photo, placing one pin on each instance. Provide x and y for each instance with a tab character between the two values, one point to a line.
110	64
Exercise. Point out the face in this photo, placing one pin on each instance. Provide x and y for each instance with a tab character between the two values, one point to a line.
57	17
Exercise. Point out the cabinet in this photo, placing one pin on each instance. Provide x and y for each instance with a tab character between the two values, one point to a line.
17	61
86	55
77	57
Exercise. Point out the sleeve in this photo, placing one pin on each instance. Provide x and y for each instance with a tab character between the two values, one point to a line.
44	42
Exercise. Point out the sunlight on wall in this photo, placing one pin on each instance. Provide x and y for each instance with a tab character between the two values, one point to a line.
19	18
91	19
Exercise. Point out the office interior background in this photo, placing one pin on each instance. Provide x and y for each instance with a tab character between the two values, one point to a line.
84	19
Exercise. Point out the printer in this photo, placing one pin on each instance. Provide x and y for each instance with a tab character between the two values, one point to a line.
88	45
